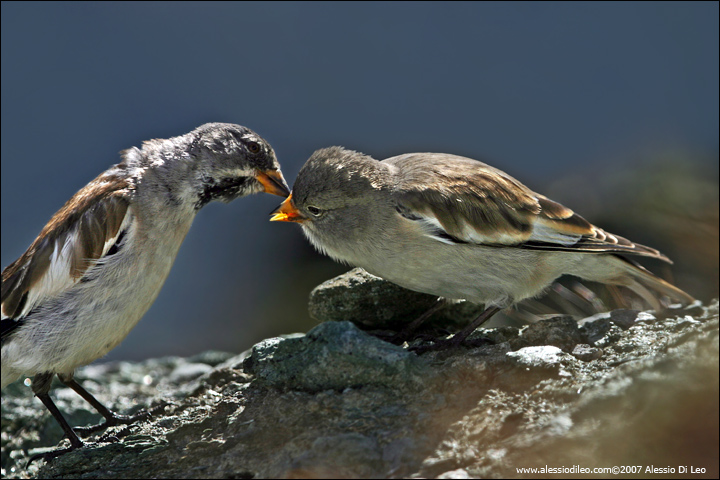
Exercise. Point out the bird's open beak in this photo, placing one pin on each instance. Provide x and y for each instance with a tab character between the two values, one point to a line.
273	182
287	212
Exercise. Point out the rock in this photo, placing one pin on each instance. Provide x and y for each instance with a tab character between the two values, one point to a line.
338	403
537	357
376	304
333	356
561	332
586	353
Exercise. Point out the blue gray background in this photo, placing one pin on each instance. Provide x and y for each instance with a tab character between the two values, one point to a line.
568	97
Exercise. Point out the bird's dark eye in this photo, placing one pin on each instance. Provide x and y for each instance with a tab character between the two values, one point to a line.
314	210
253	147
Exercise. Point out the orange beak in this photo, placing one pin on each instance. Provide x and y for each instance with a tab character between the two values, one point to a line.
287	212
273	182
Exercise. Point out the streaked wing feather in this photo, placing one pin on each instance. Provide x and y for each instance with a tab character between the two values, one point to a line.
469	200
458	200
564	224
74	239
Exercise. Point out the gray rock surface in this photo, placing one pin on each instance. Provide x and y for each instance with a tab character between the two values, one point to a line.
375	304
622	389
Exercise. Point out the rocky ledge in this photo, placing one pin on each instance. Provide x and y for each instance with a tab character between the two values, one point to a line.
626	389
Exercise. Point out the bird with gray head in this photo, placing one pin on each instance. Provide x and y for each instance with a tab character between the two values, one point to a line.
101	260
457	228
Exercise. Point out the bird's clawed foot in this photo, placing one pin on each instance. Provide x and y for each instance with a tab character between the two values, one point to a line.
450	343
399	338
459	338
111	420
47	456
116	419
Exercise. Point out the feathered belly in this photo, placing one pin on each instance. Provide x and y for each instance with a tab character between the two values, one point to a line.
90	319
489	275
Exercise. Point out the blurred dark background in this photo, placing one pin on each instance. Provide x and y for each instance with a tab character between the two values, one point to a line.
609	108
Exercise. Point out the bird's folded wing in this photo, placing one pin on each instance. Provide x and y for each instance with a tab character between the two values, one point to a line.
87	228
477	204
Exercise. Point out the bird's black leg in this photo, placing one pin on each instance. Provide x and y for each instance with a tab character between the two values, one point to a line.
111	418
405	333
41	387
459	337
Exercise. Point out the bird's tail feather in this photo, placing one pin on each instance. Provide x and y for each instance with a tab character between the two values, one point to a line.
616	270
646	285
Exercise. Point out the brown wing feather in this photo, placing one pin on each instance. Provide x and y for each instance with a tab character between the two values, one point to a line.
592	239
462	193
476	203
94	214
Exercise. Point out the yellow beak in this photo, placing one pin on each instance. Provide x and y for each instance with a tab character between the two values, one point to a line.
287	212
